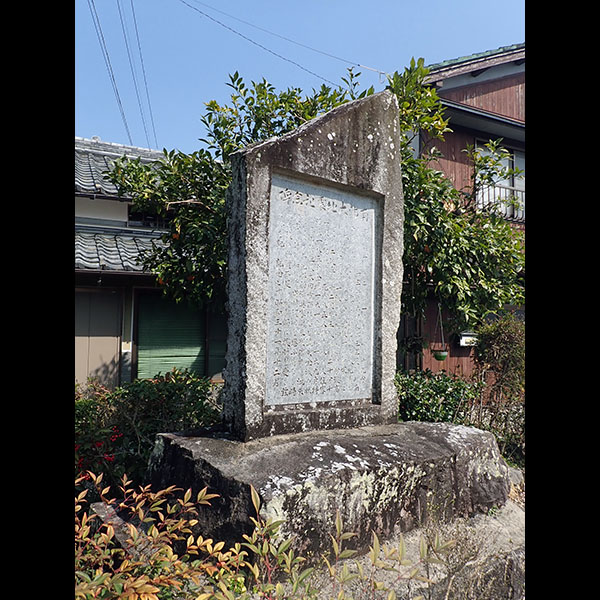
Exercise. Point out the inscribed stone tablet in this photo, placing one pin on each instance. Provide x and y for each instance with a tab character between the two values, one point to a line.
323	245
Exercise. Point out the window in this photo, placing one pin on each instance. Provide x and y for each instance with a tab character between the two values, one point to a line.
507	195
143	220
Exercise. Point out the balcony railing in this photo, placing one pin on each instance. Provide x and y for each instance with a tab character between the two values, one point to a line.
506	200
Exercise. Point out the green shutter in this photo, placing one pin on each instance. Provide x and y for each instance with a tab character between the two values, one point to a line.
169	335
217	339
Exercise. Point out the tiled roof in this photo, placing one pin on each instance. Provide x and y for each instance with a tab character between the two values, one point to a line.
477	56
93	157
117	251
107	248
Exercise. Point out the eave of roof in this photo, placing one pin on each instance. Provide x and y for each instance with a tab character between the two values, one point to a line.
475	62
484	121
115	251
111	148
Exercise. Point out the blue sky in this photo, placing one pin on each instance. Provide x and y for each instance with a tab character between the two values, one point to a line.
176	55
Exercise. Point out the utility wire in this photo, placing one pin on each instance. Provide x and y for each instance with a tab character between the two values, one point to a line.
350	62
104	49
135	85
144	74
257	44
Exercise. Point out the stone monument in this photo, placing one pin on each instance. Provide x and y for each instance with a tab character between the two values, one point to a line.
315	275
315	225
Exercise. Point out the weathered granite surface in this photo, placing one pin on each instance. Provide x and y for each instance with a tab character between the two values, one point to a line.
315	225
486	561
386	478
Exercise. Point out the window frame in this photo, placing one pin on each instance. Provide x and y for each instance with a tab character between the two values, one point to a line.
508	210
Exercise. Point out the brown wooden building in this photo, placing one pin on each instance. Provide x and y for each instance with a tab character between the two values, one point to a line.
484	99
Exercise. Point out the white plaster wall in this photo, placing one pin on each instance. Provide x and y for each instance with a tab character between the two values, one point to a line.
101	209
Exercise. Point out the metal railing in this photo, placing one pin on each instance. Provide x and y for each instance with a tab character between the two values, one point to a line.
506	200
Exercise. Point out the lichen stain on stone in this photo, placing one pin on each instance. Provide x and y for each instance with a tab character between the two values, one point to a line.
369	495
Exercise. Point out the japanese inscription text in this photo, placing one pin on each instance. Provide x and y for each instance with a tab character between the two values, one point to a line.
321	293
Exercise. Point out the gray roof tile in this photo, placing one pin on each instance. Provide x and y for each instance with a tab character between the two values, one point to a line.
105	248
117	251
94	157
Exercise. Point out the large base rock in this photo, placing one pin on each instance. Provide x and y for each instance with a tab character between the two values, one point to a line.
386	479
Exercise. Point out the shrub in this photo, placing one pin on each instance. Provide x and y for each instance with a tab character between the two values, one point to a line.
95	435
500	358
142	564
500	364
176	401
434	397
149	552
492	400
115	431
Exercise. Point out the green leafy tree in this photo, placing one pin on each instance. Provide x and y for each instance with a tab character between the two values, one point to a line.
470	260
189	190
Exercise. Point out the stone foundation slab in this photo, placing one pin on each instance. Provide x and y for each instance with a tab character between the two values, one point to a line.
387	479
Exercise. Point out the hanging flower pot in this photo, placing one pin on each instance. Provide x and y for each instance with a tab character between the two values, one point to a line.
440	354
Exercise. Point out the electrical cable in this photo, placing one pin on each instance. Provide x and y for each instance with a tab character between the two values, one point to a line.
144	74
133	75
104	49
350	62
257	44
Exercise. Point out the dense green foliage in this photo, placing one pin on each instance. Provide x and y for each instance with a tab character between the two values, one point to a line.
500	363
435	397
189	191
115	430
258	112
500	352
493	399
471	260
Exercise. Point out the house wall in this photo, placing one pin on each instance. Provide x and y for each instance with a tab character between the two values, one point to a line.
460	358
98	336
107	311
454	162
504	96
101	209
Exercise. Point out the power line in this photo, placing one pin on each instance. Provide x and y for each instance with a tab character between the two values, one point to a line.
104	49
350	62
257	44
137	93
144	74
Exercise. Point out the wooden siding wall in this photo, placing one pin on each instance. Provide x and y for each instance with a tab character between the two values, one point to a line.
504	96
455	163
460	358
